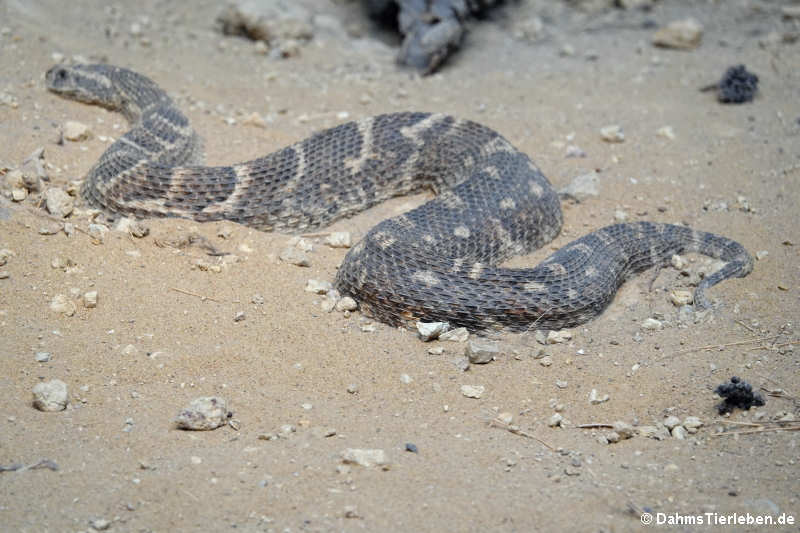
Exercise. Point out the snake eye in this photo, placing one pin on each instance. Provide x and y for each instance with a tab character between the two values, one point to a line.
61	74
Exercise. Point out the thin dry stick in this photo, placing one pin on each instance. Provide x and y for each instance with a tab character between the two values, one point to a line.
724	345
734	422
760	430
204	298
517	431
594	425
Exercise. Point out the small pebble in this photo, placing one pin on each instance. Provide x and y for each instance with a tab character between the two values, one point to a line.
410	447
62	304
505	417
58	202
612	133
50	395
239	316
692	424
546	361
561	384
481	351
623	429
90	299
98	233
346	304
293	256
555	420
652	324
455	335
42	357
680	297
429	331
679	432
436	350
76	131
318	286
100	524
364	457
667	132
338	239
204	413
472	391
595	398
682	34
671	422
559	337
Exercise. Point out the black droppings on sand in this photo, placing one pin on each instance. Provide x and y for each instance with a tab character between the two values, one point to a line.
737	86
737	393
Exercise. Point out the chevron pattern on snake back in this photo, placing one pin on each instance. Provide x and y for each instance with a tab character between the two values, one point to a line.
438	262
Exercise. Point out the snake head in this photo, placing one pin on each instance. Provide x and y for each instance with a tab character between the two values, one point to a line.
85	83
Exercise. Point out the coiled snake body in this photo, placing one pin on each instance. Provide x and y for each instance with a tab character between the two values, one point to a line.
437	262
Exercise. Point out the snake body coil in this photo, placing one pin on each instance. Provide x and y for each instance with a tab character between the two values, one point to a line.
437	262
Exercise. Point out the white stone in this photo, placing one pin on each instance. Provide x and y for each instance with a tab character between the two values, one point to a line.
51	395
62	304
671	421
683	34
612	133
555	420
429	331
692	424
455	335
680	297
318	286
346	304
58	202
364	457
595	398
472	391
76	131
90	299
338	239
652	324
559	337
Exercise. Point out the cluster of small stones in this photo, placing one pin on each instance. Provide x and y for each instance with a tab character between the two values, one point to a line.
671	426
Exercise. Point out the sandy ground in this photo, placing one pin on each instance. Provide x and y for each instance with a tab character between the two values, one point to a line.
151	345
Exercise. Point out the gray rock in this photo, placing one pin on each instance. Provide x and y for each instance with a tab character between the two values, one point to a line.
679	432
58	202
293	256
51	395
623	429
481	351
692	424
455	335
671	422
204	413
555	420
429	331
98	232
582	187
